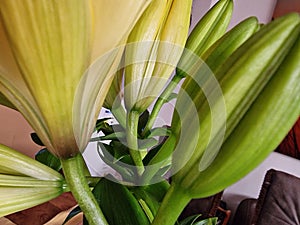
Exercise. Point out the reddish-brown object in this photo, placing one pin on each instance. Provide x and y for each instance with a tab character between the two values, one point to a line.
291	144
286	6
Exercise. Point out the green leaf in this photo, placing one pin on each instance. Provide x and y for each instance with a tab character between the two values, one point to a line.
189	220
48	159
118	204
148	202
209	221
106	154
102	125
158	190
194	220
151	154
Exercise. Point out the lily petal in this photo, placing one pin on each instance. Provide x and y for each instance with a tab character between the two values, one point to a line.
20	198
46	47
15	163
113	23
14	88
24	182
50	41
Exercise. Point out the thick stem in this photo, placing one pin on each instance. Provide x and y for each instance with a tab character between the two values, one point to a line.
132	140
172	205
73	169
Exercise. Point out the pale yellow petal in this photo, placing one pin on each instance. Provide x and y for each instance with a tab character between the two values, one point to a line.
113	21
15	90
51	43
15	163
17	199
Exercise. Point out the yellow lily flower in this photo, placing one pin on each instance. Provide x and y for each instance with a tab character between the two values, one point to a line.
46	49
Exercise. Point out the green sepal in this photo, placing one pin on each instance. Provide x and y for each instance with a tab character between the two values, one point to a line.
14	199
210	27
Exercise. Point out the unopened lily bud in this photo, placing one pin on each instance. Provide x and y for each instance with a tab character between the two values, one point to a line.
238	125
153	50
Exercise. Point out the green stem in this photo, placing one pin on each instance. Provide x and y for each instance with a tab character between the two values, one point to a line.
92	181
171	207
132	140
73	169
120	115
160	102
85	168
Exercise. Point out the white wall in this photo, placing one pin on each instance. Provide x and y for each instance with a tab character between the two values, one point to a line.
15	132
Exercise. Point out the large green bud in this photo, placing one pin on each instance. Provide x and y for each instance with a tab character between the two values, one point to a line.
244	118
